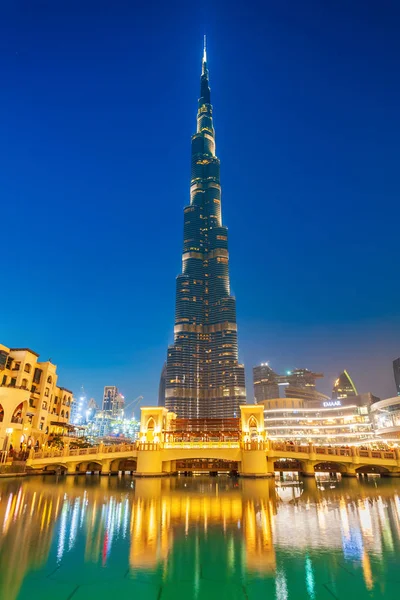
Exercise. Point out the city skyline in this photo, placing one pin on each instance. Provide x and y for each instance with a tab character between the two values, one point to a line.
94	192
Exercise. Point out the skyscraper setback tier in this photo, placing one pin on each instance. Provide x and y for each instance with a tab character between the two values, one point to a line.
204	378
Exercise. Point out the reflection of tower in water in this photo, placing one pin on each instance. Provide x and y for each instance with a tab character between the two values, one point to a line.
177	526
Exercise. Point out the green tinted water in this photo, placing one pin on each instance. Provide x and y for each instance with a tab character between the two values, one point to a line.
103	538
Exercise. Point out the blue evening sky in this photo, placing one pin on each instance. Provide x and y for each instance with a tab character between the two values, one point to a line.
97	106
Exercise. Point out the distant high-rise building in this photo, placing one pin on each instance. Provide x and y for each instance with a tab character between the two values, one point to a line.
109	397
344	387
118	407
265	382
302	384
78	410
299	383
204	377
91	410
161	387
396	371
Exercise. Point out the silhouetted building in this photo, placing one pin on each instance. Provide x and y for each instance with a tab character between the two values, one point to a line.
396	371
204	378
344	387
265	382
299	383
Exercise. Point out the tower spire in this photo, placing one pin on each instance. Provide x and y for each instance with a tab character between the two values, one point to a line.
205	50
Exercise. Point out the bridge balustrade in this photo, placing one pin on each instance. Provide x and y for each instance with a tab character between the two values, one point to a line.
254	445
202	444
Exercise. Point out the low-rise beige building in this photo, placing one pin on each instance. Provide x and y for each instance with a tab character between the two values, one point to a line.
32	406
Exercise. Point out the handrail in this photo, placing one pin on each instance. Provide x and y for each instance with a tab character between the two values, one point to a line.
276	447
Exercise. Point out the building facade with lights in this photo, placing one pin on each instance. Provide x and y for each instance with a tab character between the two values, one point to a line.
385	416
344	386
33	408
335	422
204	377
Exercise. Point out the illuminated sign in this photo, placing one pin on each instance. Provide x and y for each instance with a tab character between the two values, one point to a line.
332	403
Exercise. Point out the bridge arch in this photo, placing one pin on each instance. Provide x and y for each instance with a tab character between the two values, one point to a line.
330	467
372	470
206	465
89	467
124	464
288	464
55	468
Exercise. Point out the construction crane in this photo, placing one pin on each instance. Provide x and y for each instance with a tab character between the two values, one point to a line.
133	403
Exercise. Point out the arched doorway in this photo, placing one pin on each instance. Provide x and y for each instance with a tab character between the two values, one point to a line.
150	430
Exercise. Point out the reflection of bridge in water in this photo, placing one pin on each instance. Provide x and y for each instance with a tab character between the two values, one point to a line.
204	529
249	453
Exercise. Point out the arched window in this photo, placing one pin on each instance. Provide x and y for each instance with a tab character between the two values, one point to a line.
66	414
64	399
49	379
46	392
24	384
62	414
17	416
47	430
252	421
253	427
27	368
150	423
1	413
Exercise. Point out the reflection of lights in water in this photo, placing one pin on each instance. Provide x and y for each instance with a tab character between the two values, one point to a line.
287	493
231	554
322	509
197	568
366	565
34	502
126	518
83	511
18	503
385	524
353	545
364	514
63	530
74	523
281	586
310	582
6	516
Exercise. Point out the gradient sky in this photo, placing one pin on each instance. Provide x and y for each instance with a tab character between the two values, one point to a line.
97	106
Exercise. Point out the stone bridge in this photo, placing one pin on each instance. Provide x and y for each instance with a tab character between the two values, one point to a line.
254	459
249	453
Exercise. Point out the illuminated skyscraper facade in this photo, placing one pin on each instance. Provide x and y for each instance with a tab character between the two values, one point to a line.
204	378
344	386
